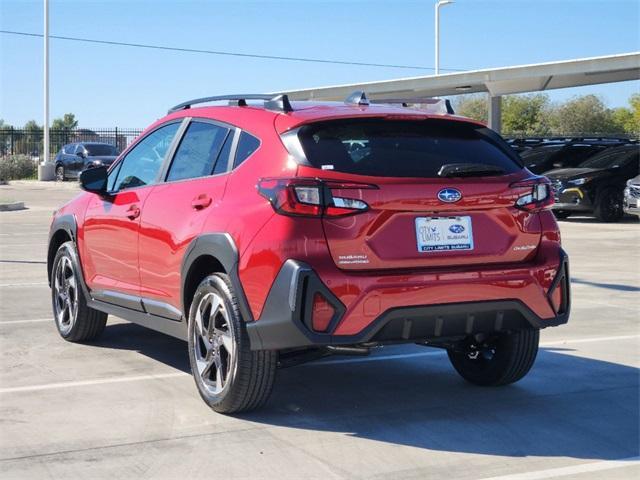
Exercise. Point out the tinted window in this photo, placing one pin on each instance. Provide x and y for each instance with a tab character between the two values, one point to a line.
392	148
611	157
142	164
101	150
113	175
574	155
222	163
69	149
247	144
198	151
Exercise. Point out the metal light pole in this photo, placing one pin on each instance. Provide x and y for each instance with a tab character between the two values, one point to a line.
46	168
46	81
439	3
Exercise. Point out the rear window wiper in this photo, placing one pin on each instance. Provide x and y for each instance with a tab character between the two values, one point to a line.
469	170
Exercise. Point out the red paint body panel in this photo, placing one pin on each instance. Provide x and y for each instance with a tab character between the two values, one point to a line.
169	224
110	241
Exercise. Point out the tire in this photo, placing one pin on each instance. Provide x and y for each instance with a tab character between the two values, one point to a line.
59	173
219	347
609	205
509	358
76	322
561	214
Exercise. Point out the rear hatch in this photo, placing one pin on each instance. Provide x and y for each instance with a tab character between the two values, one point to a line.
436	193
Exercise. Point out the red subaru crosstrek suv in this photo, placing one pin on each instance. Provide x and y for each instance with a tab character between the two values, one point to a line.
267	233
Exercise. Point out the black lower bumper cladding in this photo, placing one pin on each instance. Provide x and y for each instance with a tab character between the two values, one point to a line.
285	320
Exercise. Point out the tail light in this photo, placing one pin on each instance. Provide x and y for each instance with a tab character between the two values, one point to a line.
537	194
311	197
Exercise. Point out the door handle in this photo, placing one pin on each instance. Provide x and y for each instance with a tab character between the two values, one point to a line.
133	212
201	201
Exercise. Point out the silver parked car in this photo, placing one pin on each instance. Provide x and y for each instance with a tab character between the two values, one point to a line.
631	203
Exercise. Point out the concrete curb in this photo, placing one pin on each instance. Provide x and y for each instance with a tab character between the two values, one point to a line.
10	207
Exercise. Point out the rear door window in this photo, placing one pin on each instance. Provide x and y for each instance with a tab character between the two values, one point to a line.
399	148
198	151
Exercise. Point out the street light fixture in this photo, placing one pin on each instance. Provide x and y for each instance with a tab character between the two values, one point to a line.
439	4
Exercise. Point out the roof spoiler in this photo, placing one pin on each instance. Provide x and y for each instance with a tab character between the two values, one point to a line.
279	103
438	106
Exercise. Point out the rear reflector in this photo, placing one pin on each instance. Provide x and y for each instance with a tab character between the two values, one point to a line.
322	313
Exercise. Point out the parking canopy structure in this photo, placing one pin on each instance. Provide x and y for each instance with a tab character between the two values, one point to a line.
495	82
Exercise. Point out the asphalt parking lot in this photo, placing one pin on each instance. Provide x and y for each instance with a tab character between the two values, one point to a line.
126	406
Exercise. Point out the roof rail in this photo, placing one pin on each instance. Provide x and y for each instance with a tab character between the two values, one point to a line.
433	105
278	103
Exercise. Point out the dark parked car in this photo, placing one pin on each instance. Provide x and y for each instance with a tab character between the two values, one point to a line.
597	185
76	157
546	157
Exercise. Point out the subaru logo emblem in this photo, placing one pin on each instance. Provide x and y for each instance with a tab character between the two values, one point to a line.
456	228
449	195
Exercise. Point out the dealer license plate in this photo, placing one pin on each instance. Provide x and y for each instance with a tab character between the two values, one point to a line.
442	234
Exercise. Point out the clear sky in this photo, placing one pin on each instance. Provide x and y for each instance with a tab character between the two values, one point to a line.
107	86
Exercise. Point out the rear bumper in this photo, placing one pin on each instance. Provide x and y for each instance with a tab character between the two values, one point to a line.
517	301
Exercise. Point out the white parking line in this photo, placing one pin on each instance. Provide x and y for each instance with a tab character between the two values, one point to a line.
375	358
32	320
572	470
23	244
588	340
84	383
7	285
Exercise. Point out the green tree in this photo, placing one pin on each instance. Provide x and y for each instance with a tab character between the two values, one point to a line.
525	114
31	139
622	119
582	115
61	130
633	123
67	122
472	106
5	137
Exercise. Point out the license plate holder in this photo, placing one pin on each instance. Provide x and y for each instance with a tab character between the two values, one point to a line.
444	234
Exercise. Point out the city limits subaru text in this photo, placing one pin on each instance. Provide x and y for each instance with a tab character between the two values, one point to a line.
267	233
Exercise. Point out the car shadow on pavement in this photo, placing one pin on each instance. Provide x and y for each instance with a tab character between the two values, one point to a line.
157	346
568	406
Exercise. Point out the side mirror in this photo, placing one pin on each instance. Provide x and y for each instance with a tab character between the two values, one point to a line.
94	180
81	154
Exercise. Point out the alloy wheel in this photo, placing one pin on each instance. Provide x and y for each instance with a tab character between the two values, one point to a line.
65	288
214	344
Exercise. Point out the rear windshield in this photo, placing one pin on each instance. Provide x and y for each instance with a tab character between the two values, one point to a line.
98	149
399	148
